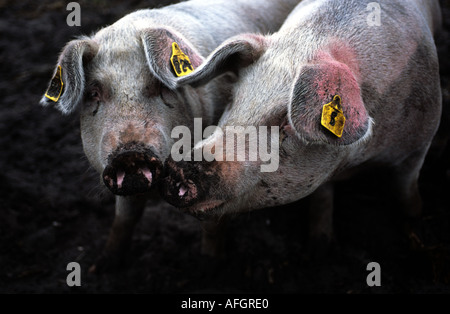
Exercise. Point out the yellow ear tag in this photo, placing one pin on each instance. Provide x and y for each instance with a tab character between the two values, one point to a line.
56	86
332	116
180	62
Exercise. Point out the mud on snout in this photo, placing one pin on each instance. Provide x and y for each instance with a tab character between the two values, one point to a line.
132	169
193	186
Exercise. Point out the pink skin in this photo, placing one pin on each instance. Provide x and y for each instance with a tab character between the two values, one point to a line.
120	177
341	65
182	191
111	182
342	52
147	173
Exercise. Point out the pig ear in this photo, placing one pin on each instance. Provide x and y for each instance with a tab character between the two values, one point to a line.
66	88
317	85
235	53
158	48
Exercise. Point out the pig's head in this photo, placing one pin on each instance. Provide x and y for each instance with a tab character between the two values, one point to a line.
281	91
122	82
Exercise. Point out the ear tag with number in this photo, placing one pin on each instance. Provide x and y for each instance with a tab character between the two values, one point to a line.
333	118
180	62
56	86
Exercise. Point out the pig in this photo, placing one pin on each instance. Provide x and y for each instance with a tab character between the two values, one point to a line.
342	89
122	80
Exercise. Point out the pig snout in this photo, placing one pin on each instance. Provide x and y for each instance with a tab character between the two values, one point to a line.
179	189
194	187
132	170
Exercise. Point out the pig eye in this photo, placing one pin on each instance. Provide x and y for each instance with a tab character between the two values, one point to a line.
93	100
94	95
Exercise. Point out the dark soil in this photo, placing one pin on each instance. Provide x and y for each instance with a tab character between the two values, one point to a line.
54	210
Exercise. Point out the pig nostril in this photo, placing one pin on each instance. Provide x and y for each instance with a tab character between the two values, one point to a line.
120	177
132	172
147	173
109	181
182	191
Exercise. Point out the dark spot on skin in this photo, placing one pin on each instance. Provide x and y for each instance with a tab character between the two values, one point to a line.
283	135
96	109
264	184
274	198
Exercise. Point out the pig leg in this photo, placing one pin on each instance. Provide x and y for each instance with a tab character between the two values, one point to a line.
213	236
406	184
128	212
321	220
406	190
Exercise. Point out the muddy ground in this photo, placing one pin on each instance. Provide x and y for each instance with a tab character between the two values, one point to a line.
53	209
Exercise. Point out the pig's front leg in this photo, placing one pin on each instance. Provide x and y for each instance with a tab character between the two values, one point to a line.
128	212
213	236
321	220
406	189
406	184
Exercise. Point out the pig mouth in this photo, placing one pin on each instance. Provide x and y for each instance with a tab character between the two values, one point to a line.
204	209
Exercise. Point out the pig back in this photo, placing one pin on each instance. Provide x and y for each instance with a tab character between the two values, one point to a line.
208	23
394	63
399	77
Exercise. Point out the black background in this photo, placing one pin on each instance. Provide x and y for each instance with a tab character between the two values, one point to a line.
53	209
